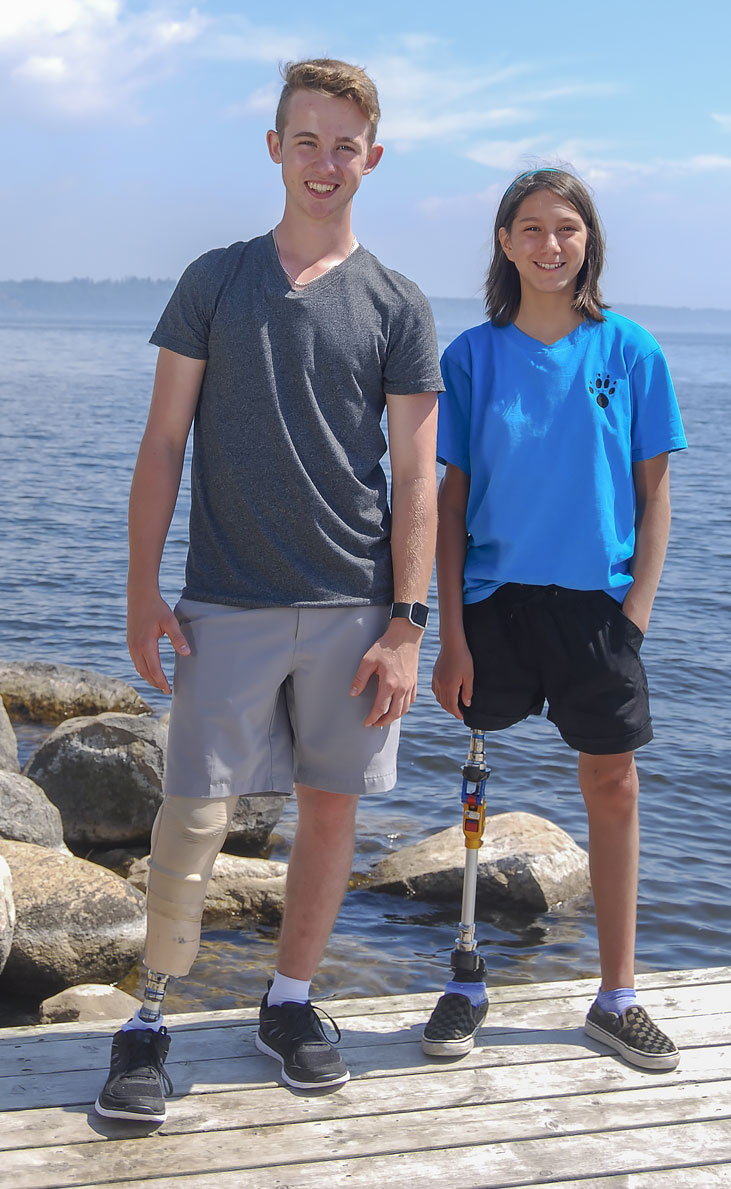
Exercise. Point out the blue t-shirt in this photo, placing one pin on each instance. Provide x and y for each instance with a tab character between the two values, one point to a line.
547	436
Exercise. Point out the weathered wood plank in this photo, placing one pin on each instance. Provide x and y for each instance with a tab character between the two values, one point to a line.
535	1103
494	1166
372	1061
250	1148
706	1177
454	1085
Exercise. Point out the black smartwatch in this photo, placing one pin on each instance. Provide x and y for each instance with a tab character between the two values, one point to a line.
416	613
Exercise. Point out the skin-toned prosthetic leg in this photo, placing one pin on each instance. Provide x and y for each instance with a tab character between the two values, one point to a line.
186	838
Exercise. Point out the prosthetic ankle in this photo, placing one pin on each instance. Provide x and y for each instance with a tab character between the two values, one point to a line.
149	1014
155	988
468	977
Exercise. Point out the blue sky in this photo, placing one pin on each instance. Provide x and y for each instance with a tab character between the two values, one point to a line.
132	132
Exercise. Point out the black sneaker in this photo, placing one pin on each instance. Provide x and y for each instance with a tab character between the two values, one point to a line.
452	1026
292	1033
633	1035
137	1082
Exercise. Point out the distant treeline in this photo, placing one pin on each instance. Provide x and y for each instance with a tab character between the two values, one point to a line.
134	298
142	299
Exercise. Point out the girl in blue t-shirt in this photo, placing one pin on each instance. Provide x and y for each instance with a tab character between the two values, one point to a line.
554	512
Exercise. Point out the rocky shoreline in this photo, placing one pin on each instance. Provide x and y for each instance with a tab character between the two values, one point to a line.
74	835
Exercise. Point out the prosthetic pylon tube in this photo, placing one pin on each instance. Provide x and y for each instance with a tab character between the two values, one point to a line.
466	963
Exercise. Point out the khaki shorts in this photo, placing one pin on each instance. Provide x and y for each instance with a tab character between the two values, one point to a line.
263	702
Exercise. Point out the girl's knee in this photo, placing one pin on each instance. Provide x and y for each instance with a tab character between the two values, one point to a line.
609	781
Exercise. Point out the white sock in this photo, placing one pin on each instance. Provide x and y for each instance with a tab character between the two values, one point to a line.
137	1022
287	990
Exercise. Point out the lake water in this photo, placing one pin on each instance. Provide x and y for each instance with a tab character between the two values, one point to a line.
73	400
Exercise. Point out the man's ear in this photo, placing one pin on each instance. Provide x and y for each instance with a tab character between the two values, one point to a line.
274	146
505	243
374	156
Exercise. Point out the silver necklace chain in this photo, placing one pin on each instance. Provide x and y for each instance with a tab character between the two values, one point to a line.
303	284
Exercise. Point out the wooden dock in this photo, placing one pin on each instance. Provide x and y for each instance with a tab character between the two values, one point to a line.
535	1103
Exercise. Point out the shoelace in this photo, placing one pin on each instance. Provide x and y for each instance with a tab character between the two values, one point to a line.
303	1025
147	1053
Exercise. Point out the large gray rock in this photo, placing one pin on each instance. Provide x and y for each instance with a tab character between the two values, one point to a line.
105	774
253	821
37	691
26	814
237	887
8	742
75	922
7	912
88	1002
524	859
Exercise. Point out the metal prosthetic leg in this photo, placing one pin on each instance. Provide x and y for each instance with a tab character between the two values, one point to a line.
467	965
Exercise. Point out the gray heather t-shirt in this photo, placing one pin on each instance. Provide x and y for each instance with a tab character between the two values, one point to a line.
289	503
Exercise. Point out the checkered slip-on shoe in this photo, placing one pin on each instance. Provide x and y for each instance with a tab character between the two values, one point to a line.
633	1035
452	1026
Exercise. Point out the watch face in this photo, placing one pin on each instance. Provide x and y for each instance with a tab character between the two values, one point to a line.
419	614
416	613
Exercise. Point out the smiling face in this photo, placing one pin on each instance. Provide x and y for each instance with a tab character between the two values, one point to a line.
324	151
547	244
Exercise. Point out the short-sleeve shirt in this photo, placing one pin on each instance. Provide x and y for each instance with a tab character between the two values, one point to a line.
288	495
548	436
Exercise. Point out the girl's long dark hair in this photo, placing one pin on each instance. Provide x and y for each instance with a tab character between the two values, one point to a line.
502	287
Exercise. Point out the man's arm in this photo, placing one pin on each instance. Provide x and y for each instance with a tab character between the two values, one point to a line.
151	504
652	529
454	670
394	658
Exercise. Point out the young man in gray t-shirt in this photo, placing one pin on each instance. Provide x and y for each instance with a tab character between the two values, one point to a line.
298	633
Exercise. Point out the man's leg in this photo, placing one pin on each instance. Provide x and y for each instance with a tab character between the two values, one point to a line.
610	788
319	868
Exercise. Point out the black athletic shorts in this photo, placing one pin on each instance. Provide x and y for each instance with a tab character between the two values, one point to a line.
575	649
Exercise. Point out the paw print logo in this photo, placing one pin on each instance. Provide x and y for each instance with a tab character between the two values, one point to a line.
602	388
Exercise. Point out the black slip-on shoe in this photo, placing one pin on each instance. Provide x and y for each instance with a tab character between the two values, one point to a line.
452	1026
633	1035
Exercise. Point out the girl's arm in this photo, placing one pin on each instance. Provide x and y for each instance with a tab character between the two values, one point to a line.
652	529
453	671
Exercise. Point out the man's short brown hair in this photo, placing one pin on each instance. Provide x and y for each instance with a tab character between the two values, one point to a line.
328	76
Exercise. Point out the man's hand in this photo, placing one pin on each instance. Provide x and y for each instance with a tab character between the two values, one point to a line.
394	661
453	673
148	620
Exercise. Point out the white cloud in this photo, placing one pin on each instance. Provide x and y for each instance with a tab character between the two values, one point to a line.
84	59
260	102
36	18
237	39
722	118
41	69
503	154
427	95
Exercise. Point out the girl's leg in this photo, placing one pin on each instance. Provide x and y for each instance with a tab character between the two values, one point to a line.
610	787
